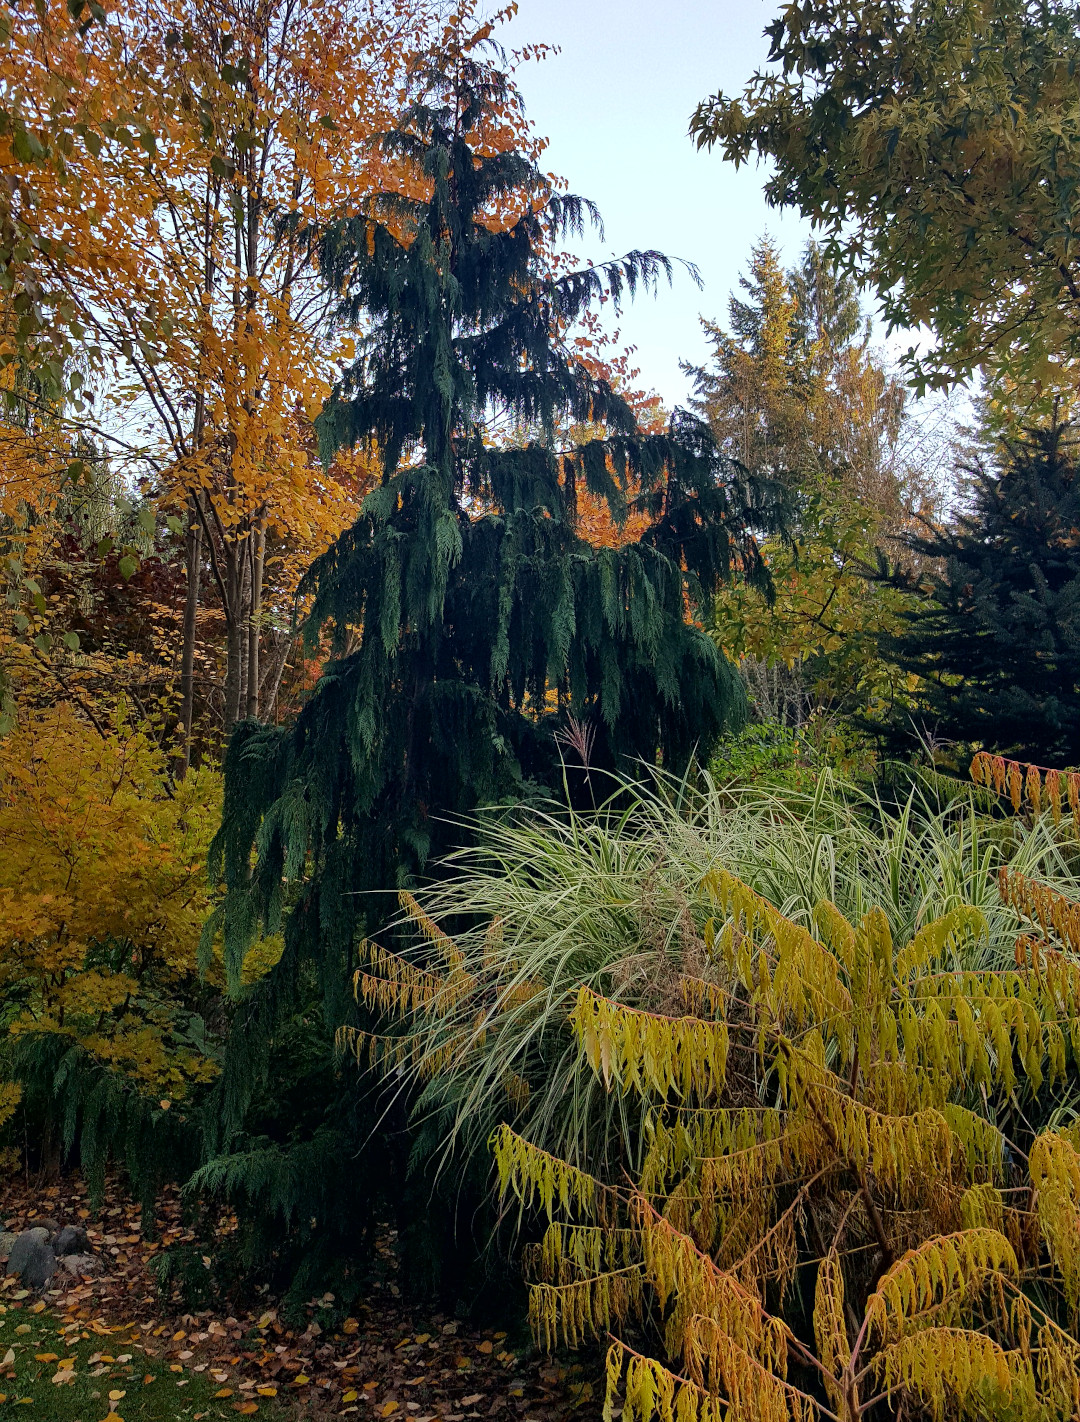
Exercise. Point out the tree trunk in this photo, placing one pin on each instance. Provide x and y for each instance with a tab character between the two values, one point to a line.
193	556
275	669
243	606
234	557
258	559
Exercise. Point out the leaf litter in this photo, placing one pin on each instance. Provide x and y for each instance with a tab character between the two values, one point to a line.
386	1362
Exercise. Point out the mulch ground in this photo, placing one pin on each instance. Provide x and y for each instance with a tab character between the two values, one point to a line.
387	1361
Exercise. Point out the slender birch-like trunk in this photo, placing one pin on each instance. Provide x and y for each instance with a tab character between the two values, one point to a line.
193	559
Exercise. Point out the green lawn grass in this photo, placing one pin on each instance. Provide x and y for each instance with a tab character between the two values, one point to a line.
34	1384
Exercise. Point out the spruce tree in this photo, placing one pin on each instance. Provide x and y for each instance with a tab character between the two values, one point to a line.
468	619
996	637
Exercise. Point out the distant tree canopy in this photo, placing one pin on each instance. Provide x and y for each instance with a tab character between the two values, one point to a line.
996	638
937	147
792	388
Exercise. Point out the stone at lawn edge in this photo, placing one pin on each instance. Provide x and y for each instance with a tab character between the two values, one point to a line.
39	1268
25	1243
7	1240
71	1239
32	1258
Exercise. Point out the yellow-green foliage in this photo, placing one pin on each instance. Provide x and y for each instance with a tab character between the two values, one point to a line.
537	1177
648	1052
826	1103
589	1307
943	1271
10	1096
443	996
1054	1164
103	892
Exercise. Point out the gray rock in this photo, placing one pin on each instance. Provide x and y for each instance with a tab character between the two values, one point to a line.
32	1258
71	1239
7	1239
24	1246
87	1265
39	1268
47	1223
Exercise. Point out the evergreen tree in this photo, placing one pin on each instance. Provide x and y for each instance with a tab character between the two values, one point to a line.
750	391
793	389
828	312
997	638
470	620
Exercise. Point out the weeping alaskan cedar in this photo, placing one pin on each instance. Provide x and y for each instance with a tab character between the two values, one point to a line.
469	619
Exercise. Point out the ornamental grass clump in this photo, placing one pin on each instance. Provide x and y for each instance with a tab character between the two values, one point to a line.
475	1022
795	1152
787	1084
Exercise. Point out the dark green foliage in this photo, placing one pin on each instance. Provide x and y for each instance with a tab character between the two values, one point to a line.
997	640
469	620
468	617
827	305
75	1108
316	1168
304	1208
186	1273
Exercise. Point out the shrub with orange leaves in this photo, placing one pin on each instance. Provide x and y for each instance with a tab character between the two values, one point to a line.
1032	786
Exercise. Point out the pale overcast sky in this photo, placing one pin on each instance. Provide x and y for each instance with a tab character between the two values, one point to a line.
615	104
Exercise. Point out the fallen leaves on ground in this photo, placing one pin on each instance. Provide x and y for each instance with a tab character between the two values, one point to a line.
385	1362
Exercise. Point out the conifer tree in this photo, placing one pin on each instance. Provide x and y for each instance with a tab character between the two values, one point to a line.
793	386
469	620
750	391
794	389
997	639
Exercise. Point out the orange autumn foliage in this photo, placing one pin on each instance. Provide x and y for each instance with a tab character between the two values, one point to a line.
600	352
1035	786
201	144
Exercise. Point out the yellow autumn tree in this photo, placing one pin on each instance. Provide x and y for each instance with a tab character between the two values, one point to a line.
794	392
203	146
